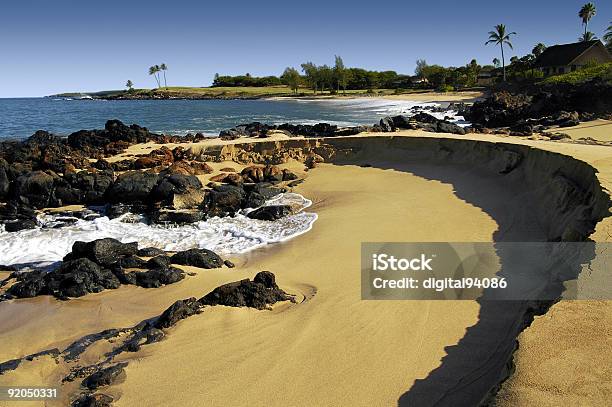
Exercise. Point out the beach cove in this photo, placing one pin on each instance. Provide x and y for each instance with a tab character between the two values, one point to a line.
378	184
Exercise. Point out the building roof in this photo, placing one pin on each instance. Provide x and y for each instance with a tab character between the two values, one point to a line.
564	54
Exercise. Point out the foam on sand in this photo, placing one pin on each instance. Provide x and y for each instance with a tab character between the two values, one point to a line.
224	235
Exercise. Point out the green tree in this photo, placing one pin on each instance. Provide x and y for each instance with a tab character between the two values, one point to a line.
153	70
291	77
501	38
311	72
608	37
436	75
421	64
164	68
129	85
587	36
472	71
538	49
496	62
340	73
326	77
586	13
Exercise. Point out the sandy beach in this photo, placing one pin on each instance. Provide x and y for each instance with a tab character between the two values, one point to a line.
287	343
331	348
600	130
429	96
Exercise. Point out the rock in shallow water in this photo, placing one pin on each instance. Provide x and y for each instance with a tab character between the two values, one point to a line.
270	213
103	251
98	265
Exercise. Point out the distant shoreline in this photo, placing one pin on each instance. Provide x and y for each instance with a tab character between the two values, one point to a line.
270	93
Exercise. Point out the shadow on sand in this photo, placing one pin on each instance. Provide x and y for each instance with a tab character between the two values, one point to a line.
472	371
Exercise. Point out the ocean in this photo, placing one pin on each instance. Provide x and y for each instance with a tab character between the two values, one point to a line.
21	117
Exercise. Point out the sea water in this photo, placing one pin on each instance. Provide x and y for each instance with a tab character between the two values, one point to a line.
227	235
20	118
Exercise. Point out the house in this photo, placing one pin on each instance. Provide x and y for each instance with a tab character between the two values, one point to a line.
418	80
559	59
488	76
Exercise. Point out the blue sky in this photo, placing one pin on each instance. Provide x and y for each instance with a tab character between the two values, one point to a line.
54	46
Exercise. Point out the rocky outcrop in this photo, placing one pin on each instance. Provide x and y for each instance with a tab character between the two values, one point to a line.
103	264
104	377
47	171
224	200
259	293
421	121
560	105
181	309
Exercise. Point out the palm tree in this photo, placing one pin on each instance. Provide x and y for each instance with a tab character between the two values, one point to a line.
153	71
164	68
129	84
586	13
500	37
608	37
157	70
496	62
587	36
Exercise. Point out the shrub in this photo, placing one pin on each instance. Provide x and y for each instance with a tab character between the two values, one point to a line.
445	88
601	71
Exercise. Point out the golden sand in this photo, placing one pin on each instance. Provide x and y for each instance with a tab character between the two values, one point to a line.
332	349
600	130
332	338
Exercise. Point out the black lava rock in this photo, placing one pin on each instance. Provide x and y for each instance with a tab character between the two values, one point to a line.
224	200
132	186
103	251
93	400
181	309
104	377
270	213
19	224
150	252
259	293
201	258
161	261
157	277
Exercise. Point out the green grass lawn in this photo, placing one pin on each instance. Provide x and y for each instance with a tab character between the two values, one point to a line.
249	91
245	92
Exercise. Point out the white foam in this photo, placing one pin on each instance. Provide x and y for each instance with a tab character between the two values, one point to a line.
387	107
223	235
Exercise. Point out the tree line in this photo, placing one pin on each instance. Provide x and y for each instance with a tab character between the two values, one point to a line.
323	78
339	78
